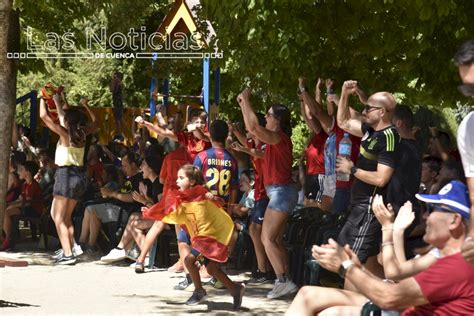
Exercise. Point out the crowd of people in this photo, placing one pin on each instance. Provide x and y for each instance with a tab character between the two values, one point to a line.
408	212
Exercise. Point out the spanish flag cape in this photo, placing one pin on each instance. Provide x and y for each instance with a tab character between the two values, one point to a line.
207	222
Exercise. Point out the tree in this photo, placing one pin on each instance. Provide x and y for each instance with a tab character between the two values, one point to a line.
402	46
8	28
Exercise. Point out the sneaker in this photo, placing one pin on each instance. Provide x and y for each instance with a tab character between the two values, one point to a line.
238	297
281	289
146	263
133	253
66	260
183	285
196	297
57	254
214	283
258	279
114	255
77	250
177	267
139	267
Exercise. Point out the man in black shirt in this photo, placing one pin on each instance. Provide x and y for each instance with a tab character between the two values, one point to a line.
375	167
110	211
405	182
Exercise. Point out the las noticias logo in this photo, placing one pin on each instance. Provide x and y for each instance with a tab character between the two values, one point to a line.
139	43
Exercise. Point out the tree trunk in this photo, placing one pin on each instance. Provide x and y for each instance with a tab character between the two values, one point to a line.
9	39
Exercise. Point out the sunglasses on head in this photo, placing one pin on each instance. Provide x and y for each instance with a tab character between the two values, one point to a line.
467	89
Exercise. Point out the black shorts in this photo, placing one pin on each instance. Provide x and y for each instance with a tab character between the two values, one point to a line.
362	232
258	212
70	182
314	187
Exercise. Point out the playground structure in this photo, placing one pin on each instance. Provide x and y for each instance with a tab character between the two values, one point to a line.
181	18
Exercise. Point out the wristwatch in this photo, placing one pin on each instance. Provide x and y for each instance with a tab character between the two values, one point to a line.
345	265
353	169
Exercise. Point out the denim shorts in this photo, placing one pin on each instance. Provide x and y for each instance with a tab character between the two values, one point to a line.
283	197
258	212
70	182
200	257
183	236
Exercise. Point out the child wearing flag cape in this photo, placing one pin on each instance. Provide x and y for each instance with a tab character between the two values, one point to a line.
208	224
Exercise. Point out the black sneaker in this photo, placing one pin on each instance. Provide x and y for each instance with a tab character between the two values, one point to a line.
196	297
183	285
259	278
66	260
214	283
238	297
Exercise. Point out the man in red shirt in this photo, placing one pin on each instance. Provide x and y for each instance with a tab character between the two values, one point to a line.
445	288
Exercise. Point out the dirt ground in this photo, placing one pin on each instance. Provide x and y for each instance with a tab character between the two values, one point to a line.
90	288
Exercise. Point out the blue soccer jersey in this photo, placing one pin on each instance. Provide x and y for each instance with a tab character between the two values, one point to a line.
220	171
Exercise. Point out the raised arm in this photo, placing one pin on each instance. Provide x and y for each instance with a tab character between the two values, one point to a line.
234	129
60	100
317	91
345	121
330	103
257	153
56	128
315	108
312	123
93	126
164	132
251	121
394	268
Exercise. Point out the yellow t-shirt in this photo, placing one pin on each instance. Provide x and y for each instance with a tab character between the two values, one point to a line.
69	156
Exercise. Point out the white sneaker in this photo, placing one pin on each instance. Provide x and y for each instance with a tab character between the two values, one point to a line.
281	289
114	255
57	254
77	250
147	261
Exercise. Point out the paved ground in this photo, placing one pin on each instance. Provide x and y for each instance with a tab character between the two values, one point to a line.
91	288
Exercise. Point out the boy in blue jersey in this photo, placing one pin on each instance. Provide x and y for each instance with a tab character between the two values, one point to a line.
218	165
220	172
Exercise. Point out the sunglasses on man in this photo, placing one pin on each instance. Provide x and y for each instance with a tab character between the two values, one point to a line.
368	108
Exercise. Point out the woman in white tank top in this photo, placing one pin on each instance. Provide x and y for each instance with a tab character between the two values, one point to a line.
70	180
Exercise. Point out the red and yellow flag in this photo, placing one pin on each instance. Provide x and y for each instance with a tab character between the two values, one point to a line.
207	222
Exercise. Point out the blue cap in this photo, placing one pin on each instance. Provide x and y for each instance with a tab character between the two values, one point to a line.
455	195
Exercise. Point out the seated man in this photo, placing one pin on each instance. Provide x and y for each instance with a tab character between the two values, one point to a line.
446	287
137	226
96	214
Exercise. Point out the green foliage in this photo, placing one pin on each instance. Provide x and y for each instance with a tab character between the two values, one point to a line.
384	45
299	138
402	46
